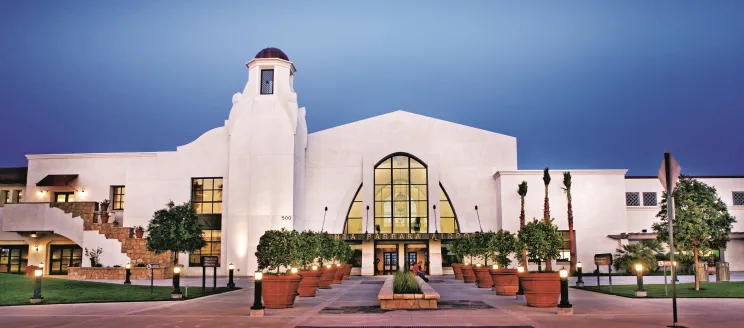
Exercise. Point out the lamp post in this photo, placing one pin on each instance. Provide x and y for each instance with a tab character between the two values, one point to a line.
520	291
257	310
564	307
176	294
579	272
230	282
640	292
127	274
37	298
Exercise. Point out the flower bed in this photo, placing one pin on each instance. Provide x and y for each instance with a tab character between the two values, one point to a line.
427	299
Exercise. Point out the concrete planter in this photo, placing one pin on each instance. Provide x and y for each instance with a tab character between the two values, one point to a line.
389	300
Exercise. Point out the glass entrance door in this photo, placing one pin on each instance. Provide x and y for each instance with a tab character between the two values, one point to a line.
63	257
13	258
390	263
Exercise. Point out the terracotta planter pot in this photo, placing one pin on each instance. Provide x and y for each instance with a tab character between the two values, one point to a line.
309	284
279	291
347	271
468	275
456	268
326	277
139	233
541	289
482	277
339	275
104	218
505	281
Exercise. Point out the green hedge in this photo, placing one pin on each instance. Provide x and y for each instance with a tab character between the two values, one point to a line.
405	283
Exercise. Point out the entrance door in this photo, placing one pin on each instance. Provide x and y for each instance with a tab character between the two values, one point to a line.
412	259
13	258
64	256
390	263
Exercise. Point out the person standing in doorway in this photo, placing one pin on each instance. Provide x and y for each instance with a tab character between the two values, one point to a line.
416	268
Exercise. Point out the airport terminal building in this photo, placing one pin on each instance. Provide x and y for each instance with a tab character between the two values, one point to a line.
398	187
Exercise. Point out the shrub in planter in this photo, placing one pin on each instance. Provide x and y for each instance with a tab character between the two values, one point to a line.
482	250
457	270
405	283
457	252
505	281
278	249
104	206
464	248
340	256
326	253
468	275
541	239
308	248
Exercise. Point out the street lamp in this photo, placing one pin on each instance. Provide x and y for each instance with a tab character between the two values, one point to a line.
127	274
37	298
640	292
579	272
257	310
564	307
520	291
176	294
230	282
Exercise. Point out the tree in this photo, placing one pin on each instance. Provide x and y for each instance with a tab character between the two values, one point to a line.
501	245
541	239
308	248
701	221
327	252
546	213
175	229
522	191
571	233
276	249
480	245
642	252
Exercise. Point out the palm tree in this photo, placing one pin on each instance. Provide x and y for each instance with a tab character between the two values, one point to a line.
522	191
571	234
546	211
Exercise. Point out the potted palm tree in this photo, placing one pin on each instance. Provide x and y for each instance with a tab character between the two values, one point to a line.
277	250
502	244
482	250
546	214
308	247
542	240
326	254
571	233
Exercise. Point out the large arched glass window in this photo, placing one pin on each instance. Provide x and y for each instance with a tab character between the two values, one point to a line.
354	219
447	216
401	201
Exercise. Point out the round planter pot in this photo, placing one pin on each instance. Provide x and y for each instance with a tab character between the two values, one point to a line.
505	281
347	271
468	275
541	289
139	233
326	277
279	291
457	269
482	277
309	284
339	275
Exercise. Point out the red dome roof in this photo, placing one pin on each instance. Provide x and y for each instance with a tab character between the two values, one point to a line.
272	53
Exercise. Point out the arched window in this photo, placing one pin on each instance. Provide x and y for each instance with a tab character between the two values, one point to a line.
354	217
401	202
447	216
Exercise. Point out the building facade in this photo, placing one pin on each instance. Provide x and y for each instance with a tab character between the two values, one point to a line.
398	187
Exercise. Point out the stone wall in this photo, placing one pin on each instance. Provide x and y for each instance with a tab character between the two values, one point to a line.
83	210
138	273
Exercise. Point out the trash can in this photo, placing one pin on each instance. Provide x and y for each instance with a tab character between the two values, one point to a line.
702	272
722	271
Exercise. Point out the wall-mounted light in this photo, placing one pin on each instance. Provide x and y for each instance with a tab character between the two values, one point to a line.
36	248
41	193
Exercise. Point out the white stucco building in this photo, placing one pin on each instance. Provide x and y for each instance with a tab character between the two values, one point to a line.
401	177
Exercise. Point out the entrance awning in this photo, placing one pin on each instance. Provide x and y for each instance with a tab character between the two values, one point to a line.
57	180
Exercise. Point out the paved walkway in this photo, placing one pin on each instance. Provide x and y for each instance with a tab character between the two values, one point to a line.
353	303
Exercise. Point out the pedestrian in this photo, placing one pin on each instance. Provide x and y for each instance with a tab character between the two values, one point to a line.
416	268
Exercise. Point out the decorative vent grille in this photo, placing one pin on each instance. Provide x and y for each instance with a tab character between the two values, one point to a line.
738	197
632	199
267	81
649	199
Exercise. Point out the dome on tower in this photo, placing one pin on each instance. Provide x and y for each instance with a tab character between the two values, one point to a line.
272	53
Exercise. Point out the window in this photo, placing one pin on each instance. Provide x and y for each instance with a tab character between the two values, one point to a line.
64	197
19	196
206	195
63	257
213	247
13	258
267	81
401	200
632	199
447	257
649	199
117	193
447	217
354	218
565	249
6	194
738	198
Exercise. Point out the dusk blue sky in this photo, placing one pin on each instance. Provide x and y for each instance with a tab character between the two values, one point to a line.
581	85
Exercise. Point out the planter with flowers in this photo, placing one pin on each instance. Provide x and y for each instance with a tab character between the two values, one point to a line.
505	281
542	240
277	250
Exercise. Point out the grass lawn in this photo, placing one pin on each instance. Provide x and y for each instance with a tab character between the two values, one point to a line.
686	290
18	289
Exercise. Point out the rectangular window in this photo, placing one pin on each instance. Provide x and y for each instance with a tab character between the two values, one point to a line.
267	81
649	199
117	197
62	257
565	249
64	197
206	195
19	196
13	258
632	199
738	198
213	247
6	194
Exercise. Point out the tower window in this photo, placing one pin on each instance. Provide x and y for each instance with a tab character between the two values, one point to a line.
267	81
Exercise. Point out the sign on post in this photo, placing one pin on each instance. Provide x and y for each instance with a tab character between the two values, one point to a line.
668	175
209	262
603	259
152	267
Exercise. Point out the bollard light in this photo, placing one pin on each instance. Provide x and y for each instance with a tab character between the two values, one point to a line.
520	291
579	272
565	308
37	298
257	309
176	283
314	268
640	292
41	265
495	267
230	282
127	274
293	270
